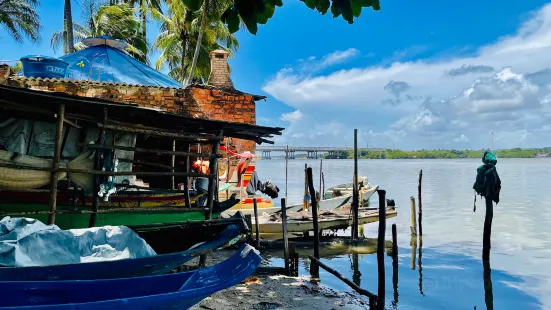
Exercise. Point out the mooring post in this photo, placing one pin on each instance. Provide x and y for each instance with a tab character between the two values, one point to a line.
249	221
321	173
381	249
355	202
306	197
256	224
285	240
55	164
420	206
98	154
293	257
314	268
286	169
413	226
186	179
173	163
395	264
486	243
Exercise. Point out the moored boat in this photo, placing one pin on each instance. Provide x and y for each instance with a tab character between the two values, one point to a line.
169	291
122	268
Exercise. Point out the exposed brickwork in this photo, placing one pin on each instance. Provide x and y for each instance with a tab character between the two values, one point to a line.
219	74
168	99
5	72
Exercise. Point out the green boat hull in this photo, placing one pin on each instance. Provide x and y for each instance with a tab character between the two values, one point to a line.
71	218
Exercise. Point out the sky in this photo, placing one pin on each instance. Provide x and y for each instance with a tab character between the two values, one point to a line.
430	75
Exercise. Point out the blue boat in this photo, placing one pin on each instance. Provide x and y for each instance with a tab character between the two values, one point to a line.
124	268
169	291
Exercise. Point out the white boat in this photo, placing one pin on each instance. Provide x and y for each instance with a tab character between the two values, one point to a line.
299	222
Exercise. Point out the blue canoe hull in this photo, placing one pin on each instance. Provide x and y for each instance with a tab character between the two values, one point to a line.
169	291
125	268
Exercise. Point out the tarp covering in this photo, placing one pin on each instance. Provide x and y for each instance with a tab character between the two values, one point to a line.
104	63
28	242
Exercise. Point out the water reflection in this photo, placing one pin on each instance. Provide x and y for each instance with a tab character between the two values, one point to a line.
356	274
488	288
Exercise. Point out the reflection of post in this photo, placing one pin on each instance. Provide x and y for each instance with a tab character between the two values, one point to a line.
486	246
381	250
420	207
394	265
420	262
356	274
413	244
488	291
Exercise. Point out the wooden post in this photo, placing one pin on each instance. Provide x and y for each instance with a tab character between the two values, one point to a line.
256	224
413	225
173	162
314	268
321	173
381	249
323	183
305	200
486	243
213	166
356	274
293	255
97	166
355	202
285	240
286	169
413	243
420	205
55	164
249	221
395	264
186	179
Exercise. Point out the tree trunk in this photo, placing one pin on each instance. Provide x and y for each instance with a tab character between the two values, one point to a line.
199	39
143	19
68	28
183	37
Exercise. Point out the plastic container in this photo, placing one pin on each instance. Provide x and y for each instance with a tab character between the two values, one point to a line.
44	67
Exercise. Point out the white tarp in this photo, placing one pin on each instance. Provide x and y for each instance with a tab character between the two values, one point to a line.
28	242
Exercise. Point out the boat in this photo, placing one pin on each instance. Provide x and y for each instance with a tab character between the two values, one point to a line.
341	200
173	237
69	217
168	291
123	268
366	190
270	226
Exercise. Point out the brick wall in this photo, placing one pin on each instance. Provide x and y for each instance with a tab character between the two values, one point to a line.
167	99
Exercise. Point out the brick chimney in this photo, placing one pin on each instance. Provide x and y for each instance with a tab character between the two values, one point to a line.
219	74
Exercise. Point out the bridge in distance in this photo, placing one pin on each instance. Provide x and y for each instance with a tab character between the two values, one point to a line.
311	151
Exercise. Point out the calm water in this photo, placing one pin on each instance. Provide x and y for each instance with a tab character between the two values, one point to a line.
452	271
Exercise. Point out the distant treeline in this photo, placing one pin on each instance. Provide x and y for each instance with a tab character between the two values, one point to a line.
432	154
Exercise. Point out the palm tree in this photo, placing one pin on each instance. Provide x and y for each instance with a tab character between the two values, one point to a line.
153	7
20	19
68	28
116	21
179	30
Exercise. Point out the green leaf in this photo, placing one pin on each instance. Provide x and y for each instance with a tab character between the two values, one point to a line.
193	5
278	2
335	10
310	3
231	18
322	6
250	22
262	17
356	6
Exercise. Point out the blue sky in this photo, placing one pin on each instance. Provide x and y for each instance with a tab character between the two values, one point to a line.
455	71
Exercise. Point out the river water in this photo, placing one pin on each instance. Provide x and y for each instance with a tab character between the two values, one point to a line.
451	276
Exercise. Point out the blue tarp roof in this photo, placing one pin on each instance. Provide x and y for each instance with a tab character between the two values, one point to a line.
104	63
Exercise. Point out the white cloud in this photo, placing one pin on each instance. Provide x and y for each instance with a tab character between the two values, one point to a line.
291	116
505	87
461	138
